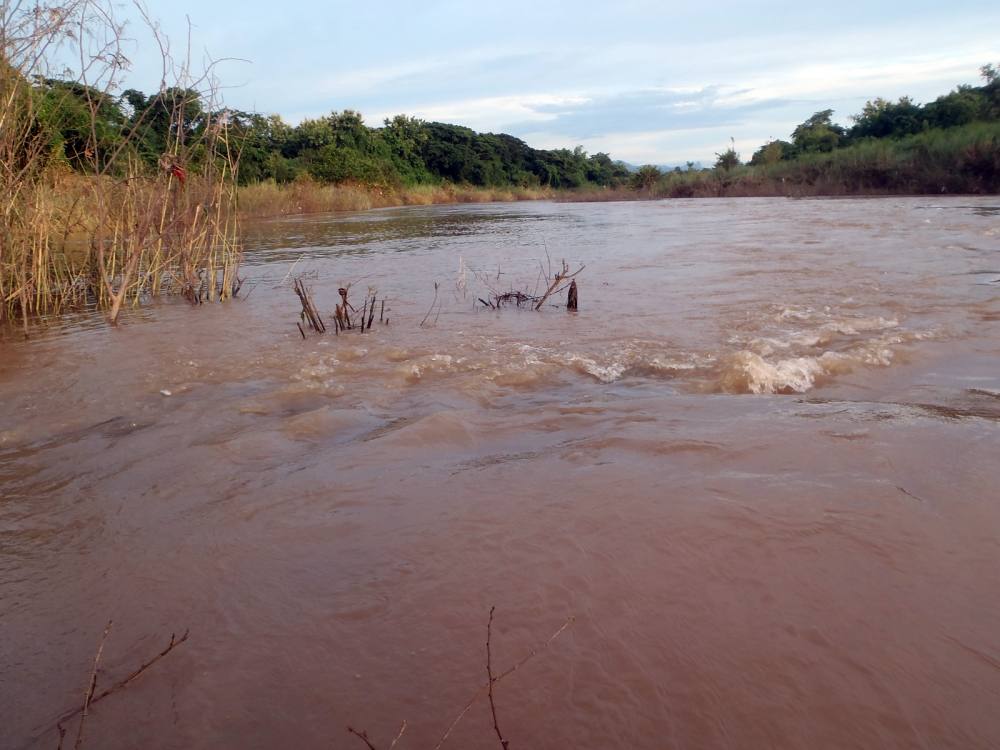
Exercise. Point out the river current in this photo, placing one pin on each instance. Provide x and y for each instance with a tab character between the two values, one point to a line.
756	473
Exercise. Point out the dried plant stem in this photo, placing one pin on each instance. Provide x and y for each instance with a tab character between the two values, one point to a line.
309	312
398	735
431	308
559	278
484	690
129	679
491	680
363	735
91	686
121	228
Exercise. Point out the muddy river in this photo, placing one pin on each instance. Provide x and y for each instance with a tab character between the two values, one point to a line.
756	472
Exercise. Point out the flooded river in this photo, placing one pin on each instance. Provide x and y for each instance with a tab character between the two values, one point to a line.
758	468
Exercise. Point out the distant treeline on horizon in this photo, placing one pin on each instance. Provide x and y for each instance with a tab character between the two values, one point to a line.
404	151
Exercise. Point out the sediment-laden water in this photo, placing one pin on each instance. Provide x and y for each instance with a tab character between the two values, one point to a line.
759	468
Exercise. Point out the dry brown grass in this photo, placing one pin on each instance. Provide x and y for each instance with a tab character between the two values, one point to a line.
304	196
127	230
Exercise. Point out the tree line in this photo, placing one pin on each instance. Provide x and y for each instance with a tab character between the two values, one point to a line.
881	118
337	148
84	126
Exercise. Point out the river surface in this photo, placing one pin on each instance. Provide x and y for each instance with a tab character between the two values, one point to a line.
758	469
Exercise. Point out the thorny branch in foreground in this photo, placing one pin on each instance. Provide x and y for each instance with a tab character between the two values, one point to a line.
486	689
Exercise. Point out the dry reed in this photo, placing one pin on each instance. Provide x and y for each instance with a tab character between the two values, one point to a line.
125	230
306	196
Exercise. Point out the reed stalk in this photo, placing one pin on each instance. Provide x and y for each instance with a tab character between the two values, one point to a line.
123	230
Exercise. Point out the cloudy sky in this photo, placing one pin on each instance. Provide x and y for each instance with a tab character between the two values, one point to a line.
649	82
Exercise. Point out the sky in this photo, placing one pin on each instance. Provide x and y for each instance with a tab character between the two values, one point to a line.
647	82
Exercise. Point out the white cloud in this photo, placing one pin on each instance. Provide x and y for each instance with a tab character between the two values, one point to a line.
490	113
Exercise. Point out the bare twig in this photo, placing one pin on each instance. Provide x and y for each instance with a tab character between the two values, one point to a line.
309	311
346	306
400	734
560	277
132	677
431	308
363	735
91	686
492	679
485	689
289	274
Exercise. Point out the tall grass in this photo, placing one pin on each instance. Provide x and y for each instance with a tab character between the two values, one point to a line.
126	230
306	196
955	160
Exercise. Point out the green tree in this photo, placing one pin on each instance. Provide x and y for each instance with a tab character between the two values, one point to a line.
991	90
962	106
603	171
818	133
772	152
646	177
84	126
728	159
884	119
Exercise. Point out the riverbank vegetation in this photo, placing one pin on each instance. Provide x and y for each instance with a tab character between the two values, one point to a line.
950	145
106	200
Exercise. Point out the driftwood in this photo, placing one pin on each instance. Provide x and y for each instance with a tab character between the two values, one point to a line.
571	300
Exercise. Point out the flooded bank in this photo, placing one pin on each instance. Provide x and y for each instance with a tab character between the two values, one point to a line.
758	467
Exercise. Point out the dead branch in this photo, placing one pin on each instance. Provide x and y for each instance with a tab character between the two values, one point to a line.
571	298
363	735
91	686
346	305
492	679
309	312
486	688
400	734
132	677
559	278
431	308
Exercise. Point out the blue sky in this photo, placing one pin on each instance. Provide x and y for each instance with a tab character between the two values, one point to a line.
648	82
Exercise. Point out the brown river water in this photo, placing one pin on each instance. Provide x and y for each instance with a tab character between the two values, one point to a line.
758	468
